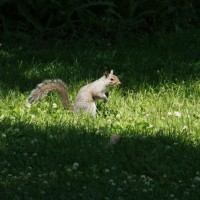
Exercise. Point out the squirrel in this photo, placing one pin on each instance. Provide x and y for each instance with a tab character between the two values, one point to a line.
86	97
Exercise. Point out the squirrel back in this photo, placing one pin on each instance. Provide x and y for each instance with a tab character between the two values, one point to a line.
87	95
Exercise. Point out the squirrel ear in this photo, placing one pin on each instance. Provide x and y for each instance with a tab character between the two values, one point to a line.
106	74
111	72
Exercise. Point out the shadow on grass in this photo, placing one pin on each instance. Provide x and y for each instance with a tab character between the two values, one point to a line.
70	163
163	58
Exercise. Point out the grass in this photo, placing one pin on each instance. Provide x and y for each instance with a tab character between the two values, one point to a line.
49	153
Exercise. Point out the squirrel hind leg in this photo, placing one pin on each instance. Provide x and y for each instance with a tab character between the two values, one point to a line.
88	108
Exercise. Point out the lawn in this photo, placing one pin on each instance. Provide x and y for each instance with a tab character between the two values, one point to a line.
47	152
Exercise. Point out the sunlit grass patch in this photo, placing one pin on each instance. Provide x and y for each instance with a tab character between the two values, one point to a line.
48	152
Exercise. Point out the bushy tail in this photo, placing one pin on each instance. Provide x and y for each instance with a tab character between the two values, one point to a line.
47	86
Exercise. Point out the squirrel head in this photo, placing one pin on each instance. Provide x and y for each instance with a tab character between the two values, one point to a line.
111	79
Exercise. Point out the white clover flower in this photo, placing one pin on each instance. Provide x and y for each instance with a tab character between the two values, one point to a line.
151	126
177	114
169	113
54	105
34	154
143	176
25	154
168	147
45	182
113	183
9	175
33	116
17	130
32	141
186	193
114	139
147	183
75	166
53	174
42	192
4	171
118	116
69	170
185	128
144	137
171	195
29	174
144	190
150	179
107	170
3	135
197	178
109	121
28	105
51	137
119	189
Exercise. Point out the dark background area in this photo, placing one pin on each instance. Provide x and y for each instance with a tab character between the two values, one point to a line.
124	35
63	19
